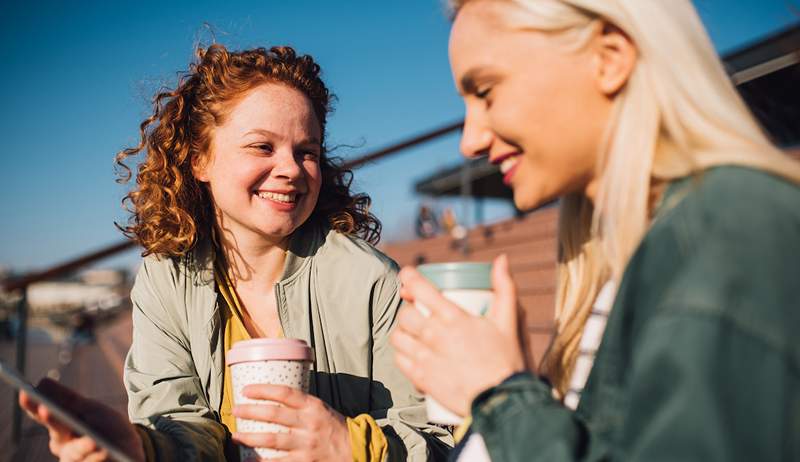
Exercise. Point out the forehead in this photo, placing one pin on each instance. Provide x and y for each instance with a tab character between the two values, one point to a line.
270	106
480	35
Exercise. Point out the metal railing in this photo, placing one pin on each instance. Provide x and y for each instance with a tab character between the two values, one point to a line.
21	284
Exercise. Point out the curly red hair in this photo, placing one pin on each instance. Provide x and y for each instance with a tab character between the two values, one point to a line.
170	209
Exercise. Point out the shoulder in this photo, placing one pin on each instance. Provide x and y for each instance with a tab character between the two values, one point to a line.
348	268
733	201
157	271
170	284
729	249
196	267
729	215
358	256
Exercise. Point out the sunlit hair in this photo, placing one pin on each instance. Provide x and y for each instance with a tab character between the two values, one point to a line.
678	115
170	209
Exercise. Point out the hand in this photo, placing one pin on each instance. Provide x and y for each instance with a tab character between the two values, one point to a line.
452	355
69	447
316	432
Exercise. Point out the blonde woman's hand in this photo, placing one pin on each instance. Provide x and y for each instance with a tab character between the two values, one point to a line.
316	431
69	447
452	355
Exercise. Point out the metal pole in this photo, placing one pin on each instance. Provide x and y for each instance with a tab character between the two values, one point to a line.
466	192
479	204
380	153
466	198
22	338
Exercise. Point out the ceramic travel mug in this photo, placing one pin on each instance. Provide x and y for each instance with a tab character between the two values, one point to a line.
468	285
273	361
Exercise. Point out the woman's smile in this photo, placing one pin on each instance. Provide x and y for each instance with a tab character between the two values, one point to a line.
279	200
508	165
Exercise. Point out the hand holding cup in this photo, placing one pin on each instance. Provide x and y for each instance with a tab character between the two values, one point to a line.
276	418
310	429
453	355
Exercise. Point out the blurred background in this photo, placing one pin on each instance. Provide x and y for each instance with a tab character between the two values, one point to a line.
78	78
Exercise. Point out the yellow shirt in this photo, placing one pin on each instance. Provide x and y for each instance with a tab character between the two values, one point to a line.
367	440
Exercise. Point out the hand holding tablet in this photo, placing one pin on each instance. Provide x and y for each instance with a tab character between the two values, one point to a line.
79	427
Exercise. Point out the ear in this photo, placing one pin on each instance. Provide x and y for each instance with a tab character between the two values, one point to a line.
200	167
615	56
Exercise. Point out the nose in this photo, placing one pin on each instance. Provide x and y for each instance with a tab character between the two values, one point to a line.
287	165
476	137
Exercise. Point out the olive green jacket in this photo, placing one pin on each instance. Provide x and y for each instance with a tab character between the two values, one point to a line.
337	293
700	360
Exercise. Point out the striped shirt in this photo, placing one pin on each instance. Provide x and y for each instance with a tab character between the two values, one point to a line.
590	342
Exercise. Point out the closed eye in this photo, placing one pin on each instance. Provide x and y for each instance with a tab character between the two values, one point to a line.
310	155
263	147
483	93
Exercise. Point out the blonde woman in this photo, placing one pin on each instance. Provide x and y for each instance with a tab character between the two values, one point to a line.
679	249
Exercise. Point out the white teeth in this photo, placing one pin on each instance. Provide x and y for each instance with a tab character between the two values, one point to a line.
288	198
508	164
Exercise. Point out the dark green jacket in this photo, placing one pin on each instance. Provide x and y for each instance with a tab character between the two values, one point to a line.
700	360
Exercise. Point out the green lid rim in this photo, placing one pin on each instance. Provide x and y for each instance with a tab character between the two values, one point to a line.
458	275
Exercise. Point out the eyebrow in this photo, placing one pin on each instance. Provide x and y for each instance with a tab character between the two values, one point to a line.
265	132
469	80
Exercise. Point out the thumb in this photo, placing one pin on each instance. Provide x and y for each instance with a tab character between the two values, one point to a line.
504	307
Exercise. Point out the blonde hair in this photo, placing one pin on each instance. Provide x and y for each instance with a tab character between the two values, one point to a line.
678	114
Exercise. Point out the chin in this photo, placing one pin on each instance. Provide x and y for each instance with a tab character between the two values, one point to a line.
273	231
524	202
527	201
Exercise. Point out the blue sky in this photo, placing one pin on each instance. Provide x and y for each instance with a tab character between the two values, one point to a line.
78	77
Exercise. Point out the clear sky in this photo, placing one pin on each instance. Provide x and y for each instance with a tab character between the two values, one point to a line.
77	78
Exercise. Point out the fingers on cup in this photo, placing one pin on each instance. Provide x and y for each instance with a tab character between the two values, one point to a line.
285	441
287	396
502	282
405	343
425	293
504	308
273	413
410	320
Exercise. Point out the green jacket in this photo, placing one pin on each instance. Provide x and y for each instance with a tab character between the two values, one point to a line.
337	293
700	360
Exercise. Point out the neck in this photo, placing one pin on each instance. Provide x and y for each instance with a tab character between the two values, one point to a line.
252	259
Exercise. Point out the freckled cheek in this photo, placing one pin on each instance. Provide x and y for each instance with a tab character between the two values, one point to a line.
313	176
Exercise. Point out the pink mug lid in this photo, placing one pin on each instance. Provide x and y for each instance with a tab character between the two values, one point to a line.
267	349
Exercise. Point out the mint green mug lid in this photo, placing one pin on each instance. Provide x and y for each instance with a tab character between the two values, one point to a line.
458	275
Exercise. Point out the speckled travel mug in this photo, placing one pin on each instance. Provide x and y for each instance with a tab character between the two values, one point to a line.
468	285
273	361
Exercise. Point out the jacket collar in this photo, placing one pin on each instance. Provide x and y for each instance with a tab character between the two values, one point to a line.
303	246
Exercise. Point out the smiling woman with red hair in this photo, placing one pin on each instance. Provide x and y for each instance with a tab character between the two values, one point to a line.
250	230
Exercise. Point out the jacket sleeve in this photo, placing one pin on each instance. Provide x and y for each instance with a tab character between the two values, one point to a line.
165	396
401	414
700	390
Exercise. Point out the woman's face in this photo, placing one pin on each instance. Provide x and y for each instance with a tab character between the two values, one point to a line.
535	106
263	170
